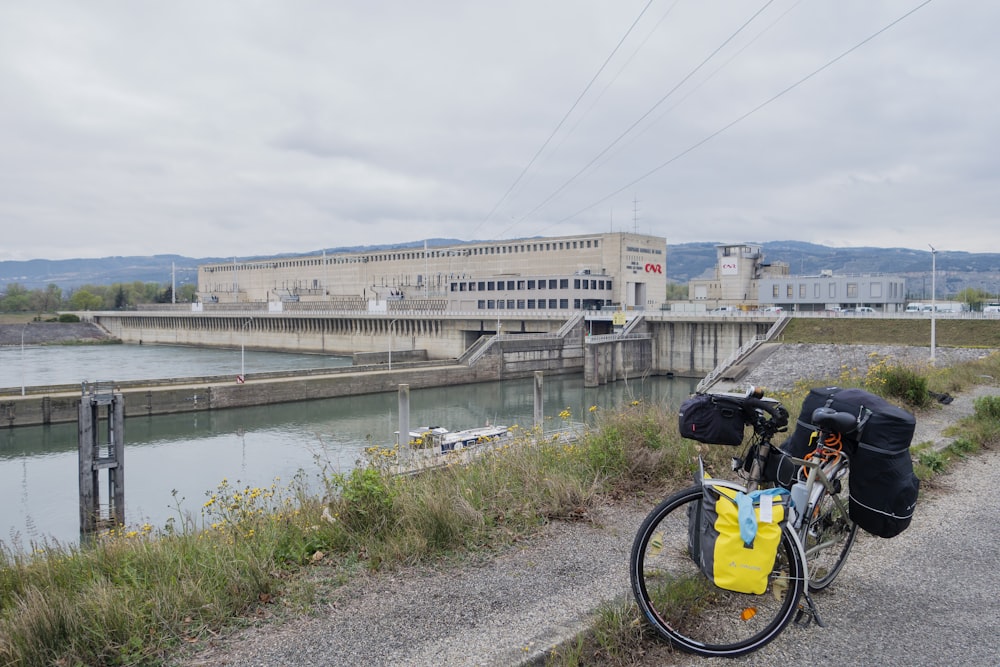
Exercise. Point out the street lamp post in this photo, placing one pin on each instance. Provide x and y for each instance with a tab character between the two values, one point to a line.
243	337
22	356
933	298
392	326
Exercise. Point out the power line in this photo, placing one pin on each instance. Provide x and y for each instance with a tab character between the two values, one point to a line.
641	118
564	118
701	83
746	115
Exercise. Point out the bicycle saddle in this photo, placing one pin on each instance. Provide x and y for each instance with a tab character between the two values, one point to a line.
829	419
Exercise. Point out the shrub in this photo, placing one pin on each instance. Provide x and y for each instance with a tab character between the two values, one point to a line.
899	382
987	408
366	498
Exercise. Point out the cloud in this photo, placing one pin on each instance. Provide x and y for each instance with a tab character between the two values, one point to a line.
236	129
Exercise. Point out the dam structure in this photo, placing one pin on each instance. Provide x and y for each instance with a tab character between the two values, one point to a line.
390	349
604	346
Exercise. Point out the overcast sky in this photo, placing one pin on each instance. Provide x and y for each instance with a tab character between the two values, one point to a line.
241	128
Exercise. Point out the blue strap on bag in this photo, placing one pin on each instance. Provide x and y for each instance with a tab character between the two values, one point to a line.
747	516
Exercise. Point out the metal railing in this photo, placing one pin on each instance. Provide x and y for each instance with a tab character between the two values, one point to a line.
741	352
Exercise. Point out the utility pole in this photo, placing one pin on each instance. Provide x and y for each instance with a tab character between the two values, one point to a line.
933	298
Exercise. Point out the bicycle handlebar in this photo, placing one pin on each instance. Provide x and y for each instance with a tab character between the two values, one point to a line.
778	413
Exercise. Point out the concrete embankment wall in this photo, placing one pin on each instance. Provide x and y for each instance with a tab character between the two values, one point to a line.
59	404
688	348
694	347
438	336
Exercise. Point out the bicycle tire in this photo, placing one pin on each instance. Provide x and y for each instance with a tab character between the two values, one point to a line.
830	533
686	608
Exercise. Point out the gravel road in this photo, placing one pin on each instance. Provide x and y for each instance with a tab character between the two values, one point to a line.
927	597
44	333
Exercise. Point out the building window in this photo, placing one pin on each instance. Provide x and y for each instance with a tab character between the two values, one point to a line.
564	304
489	286
802	291
520	304
789	291
520	285
552	304
531	304
491	304
576	283
852	290
531	284
833	291
482	286
774	291
564	283
876	289
552	284
481	305
510	304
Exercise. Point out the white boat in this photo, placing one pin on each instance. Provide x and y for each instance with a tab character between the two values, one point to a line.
439	440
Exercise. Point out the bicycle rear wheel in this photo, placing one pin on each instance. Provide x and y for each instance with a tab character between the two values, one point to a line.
830	533
686	608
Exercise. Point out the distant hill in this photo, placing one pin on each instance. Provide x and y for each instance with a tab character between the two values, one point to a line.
955	270
70	274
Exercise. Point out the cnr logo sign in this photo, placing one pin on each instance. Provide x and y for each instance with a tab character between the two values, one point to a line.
654	268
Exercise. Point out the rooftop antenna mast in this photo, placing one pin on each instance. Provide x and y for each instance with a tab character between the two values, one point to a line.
635	215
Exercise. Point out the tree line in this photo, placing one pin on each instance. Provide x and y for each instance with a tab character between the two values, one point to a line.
118	296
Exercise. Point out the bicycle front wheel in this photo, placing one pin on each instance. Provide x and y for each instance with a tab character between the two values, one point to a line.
830	532
686	608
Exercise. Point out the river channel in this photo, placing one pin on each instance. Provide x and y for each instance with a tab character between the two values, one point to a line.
173	461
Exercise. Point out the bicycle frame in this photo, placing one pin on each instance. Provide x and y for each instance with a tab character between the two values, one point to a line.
818	479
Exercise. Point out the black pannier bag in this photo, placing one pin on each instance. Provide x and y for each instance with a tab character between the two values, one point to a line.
779	468
713	419
883	487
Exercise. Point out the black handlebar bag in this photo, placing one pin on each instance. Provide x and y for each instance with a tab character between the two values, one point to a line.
712	419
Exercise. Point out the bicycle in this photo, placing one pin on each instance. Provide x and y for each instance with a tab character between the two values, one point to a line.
685	607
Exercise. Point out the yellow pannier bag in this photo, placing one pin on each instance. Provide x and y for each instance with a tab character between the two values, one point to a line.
738	553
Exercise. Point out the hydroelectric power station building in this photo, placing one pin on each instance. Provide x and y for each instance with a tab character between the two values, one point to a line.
567	273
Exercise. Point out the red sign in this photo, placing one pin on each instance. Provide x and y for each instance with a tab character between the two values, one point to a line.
654	268
239	379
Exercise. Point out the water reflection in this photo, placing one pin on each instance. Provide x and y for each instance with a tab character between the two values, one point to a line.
57	364
177	459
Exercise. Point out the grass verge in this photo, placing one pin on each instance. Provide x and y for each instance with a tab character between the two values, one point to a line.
134	596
